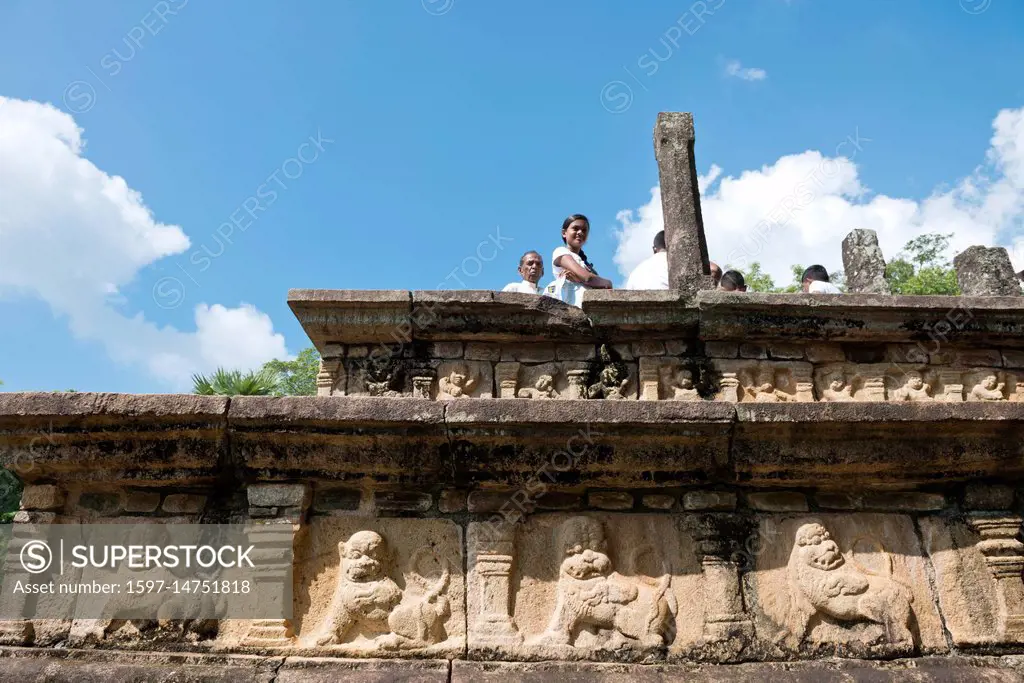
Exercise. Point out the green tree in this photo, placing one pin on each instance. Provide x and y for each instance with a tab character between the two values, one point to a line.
235	383
296	377
758	281
922	267
10	495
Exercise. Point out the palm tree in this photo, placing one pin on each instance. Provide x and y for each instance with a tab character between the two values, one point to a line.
236	383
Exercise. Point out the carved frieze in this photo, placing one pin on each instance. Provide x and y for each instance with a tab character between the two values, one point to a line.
854	585
667	378
376	587
742	381
464	379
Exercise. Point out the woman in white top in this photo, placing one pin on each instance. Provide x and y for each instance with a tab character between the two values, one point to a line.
574	274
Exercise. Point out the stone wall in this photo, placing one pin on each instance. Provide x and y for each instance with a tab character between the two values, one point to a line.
651	486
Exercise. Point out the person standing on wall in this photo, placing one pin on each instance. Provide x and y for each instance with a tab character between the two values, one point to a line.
652	272
574	273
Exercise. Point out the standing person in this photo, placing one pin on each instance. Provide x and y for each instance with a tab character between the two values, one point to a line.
652	272
531	269
815	281
574	274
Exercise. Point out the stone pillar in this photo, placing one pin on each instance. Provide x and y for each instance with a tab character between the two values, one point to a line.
726	618
330	373
983	271
507	377
729	387
491	555
1003	551
688	265
803	382
952	387
863	263
276	513
27	526
577	383
650	379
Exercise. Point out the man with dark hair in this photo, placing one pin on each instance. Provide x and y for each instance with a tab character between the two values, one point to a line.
652	272
716	274
732	281
815	281
531	268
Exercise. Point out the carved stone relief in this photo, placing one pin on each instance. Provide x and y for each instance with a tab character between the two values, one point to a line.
611	377
667	379
464	379
854	585
583	587
764	381
536	381
978	564
382	375
377	587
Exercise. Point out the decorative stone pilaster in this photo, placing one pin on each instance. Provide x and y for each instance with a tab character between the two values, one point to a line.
330	373
804	381
507	377
726	622
729	387
952	386
28	526
577	383
649	379
277	512
422	382
491	554
1001	546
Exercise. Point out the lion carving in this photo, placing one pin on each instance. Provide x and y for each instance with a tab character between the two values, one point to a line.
592	596
823	583
367	598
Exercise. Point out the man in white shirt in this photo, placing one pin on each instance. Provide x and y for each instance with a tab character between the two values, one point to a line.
815	281
531	268
652	272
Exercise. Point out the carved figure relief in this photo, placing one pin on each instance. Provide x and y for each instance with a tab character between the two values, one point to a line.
988	385
366	599
916	386
679	383
824	585
544	387
612	376
764	382
837	388
459	382
382	376
591	595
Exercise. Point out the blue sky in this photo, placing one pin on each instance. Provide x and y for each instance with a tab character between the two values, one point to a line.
444	123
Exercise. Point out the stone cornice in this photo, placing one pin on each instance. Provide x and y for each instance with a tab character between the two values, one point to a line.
190	439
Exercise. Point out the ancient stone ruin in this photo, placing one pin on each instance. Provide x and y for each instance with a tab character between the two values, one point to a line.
684	484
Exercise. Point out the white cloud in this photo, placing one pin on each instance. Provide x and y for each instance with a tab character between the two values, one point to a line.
72	236
734	69
799	209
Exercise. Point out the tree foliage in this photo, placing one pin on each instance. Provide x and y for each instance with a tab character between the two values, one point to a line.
10	495
235	383
296	377
922	267
759	281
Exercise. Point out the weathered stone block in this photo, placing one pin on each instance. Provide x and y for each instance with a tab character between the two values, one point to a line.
492	501
824	353
849	584
786	351
451	500
778	501
983	271
528	353
327	500
839	501
357	351
410	570
557	500
402	501
142	501
1013	359
988	497
576	352
678	347
478	351
985	357
863	263
756	351
610	500
658	501
184	503
42	497
448	349
709	500
278	495
648	348
457	379
909	501
715	349
105	503
866	353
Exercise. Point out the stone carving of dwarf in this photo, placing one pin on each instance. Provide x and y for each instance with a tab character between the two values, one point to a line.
821	582
591	594
764	388
988	389
367	598
837	388
544	387
458	383
679	381
915	388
